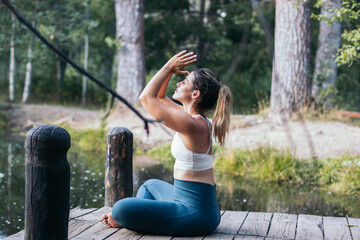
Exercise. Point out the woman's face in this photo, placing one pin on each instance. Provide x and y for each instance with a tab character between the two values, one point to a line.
184	89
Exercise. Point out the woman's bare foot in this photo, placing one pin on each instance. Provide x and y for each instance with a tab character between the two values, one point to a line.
110	221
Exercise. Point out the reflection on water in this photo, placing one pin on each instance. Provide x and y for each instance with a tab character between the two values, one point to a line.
87	189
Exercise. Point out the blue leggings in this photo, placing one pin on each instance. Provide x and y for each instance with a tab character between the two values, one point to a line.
183	209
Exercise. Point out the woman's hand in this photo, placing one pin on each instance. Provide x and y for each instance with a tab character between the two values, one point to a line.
177	63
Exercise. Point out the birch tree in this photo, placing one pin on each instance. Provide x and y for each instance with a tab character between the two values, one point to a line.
12	60
130	58
86	57
290	89
328	44
27	85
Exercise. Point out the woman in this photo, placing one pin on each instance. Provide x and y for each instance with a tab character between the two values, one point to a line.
189	207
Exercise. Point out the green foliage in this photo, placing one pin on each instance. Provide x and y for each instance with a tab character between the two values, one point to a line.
88	139
349	12
86	147
327	95
232	30
112	43
342	174
351	51
348	87
163	154
265	163
272	165
64	24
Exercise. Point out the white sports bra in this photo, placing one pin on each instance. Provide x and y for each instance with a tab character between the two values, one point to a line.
188	160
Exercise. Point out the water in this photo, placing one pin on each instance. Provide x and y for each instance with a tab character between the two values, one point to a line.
87	189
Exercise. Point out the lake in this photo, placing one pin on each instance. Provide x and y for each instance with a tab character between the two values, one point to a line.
87	188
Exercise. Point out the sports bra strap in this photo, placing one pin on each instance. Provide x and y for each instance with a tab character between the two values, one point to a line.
208	123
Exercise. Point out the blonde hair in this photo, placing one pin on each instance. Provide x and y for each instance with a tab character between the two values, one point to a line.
221	120
212	92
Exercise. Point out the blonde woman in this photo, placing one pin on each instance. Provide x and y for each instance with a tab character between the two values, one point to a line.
189	207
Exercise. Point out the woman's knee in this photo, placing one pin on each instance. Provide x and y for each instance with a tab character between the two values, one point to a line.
122	209
143	191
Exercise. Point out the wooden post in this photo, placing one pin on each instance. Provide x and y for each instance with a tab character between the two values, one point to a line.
119	161
47	191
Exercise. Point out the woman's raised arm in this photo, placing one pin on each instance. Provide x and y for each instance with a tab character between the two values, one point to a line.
153	97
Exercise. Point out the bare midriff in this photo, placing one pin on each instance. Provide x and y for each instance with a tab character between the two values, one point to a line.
206	176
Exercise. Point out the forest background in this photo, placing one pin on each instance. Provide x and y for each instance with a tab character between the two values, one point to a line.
279	56
234	38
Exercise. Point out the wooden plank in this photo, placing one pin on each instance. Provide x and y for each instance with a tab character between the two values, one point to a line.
187	238
247	237
354	224
231	222
309	227
283	226
77	226
125	234
77	212
96	232
256	224
153	237
16	236
96	215
219	236
336	228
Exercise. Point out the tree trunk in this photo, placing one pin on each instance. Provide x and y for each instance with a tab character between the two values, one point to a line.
290	90
86	57
130	56
12	60
27	85
325	66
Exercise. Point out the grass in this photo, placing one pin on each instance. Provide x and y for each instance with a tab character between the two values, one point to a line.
340	175
162	154
268	164
88	139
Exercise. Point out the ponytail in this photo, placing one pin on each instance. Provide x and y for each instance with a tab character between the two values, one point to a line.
212	92
221	120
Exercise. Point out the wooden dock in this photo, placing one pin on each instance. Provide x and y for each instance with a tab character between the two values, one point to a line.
86	224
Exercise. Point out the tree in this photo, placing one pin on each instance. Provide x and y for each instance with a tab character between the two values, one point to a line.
325	65
348	12
130	57
290	89
86	57
12	60
27	85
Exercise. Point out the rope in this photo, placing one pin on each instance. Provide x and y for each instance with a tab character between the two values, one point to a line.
77	67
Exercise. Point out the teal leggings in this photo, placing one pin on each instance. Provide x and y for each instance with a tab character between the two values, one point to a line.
183	209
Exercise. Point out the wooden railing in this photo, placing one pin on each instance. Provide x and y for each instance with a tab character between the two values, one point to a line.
47	190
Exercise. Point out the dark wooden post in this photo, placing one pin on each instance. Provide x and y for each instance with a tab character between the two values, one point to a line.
119	161
47	190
